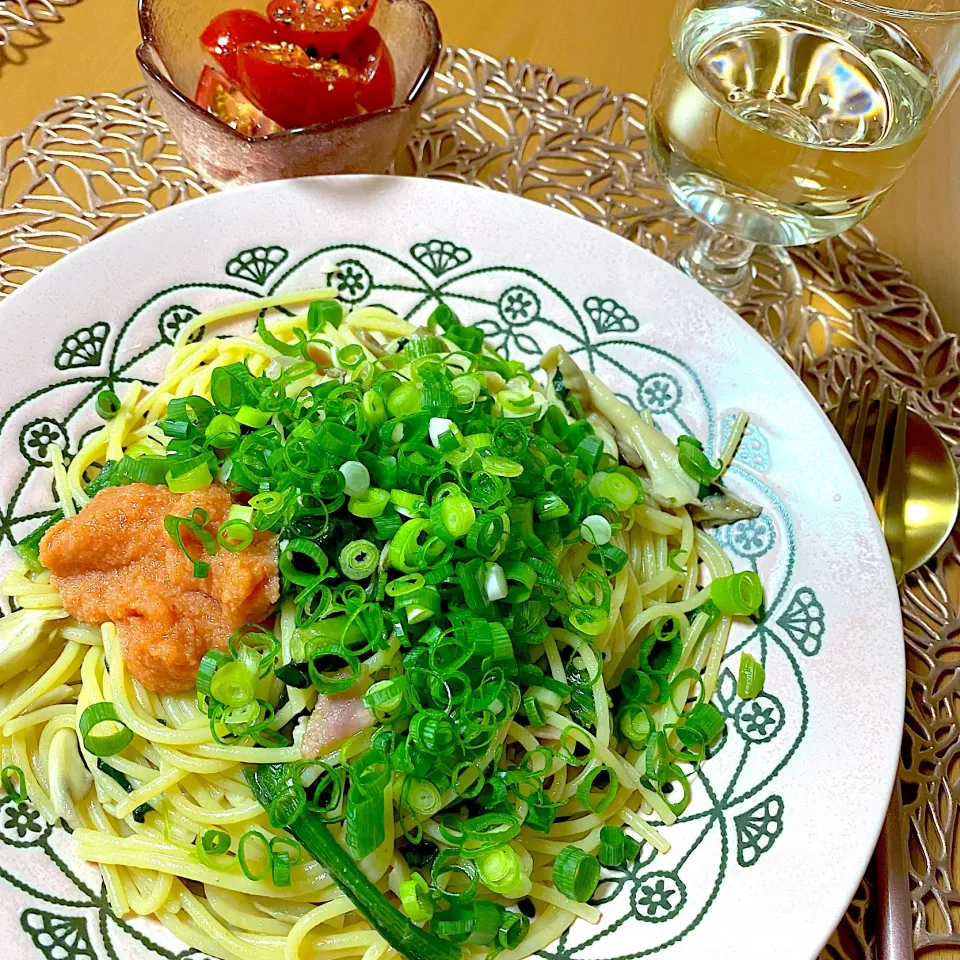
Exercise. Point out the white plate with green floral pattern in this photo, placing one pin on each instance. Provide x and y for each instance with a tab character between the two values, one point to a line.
787	811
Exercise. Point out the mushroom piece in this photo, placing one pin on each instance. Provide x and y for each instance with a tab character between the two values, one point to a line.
720	507
604	430
556	361
670	485
26	637
70	780
371	344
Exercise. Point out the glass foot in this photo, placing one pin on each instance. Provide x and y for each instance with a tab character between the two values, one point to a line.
729	267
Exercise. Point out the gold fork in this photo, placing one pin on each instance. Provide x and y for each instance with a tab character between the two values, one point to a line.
870	452
888	491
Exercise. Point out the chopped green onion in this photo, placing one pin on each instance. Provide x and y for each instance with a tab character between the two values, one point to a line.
291	568
596	530
610	557
208	667
236	532
287	805
534	711
751	678
613	848
143	469
694	463
17	794
374	409
364	829
359	559
281	860
371	503
404	401
328	682
588	453
252	417
502	467
195	526
739	595
233	684
519	403
576	874
701	726
421	797
541	816
212	849
589	800
415	898
386	695
487	917
452	517
619	490
356	478
673	560
465	390
215	842
424	346
440	427
322	312
420	605
103	744
660	650
406	546
501	871
107	405
223	431
495	582
196	478
455	925
254	836
635	724
550	506
513	929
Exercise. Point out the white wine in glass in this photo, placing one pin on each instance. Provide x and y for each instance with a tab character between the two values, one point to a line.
782	123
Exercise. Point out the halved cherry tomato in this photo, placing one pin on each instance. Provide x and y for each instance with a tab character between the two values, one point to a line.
293	89
329	26
226	32
369	56
217	95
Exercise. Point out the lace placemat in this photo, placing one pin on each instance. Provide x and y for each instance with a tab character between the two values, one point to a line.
26	18
90	164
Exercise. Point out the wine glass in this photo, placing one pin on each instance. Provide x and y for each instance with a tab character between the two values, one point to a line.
782	122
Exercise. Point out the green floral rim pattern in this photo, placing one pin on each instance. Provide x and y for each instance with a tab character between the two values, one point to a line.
735	818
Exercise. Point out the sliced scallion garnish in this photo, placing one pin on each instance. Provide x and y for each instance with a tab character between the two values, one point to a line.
104	744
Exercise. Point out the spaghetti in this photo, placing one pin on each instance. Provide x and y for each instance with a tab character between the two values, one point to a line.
520	611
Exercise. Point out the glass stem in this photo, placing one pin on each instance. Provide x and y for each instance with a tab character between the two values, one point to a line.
718	261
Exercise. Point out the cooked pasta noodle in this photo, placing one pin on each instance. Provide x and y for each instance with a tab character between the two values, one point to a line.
142	813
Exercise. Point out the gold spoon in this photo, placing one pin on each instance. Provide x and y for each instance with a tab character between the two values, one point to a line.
931	493
928	483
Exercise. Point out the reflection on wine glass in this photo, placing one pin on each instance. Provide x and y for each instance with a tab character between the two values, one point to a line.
782	122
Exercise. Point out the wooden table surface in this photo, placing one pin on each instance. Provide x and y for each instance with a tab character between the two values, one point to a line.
617	42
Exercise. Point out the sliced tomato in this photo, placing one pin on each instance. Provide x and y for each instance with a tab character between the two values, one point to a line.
369	56
328	26
294	89
225	33
227	102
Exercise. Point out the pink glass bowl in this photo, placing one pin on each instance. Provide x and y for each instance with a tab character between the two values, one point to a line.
171	59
